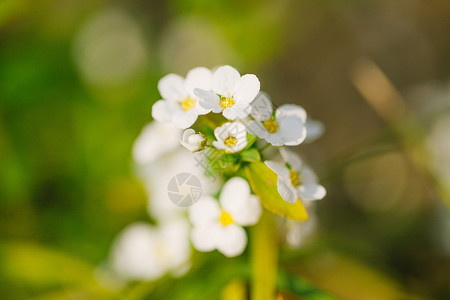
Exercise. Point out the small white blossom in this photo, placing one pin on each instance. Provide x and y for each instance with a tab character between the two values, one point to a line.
230	92
155	139
231	137
192	141
284	127
180	105
297	180
220	226
145	252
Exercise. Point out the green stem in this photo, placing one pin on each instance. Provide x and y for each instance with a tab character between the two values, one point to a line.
264	258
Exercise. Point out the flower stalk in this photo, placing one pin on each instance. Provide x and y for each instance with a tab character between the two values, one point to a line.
264	258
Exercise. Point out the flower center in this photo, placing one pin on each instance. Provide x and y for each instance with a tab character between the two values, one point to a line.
225	219
295	178
230	141
187	103
226	102
271	125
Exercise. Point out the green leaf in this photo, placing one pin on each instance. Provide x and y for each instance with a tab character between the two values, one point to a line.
264	183
251	155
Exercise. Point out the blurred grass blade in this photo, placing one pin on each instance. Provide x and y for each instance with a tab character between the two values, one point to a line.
264	258
264	183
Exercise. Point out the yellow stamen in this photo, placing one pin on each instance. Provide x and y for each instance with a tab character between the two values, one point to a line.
225	219
230	141
187	103
271	125
295	178
226	102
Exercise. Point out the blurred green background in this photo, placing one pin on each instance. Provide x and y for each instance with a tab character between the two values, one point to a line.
77	81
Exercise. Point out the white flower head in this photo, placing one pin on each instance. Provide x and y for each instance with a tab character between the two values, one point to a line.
230	92
297	180
285	126
145	252
231	137
220	226
155	139
180	105
193	141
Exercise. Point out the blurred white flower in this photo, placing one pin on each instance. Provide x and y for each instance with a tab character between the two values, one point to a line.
220	227
231	137
157	175
284	127
180	105
297	233
145	252
314	130
193	141
229	93
155	139
295	180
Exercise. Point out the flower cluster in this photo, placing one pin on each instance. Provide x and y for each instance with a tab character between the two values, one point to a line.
229	130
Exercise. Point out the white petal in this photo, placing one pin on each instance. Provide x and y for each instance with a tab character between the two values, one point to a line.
314	130
232	240
155	139
308	175
238	111
241	144
163	110
171	87
261	107
275	139
218	145
184	119
292	159
246	88
291	110
224	80
187	133
208	100
235	191
286	190
205	211
279	169
204	238
198	78
175	237
246	212
292	129
311	191
256	128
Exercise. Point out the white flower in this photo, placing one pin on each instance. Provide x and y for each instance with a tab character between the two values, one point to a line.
145	252
314	130
229	93
180	105
193	141
155	139
220	227
284	127
297	180
231	137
